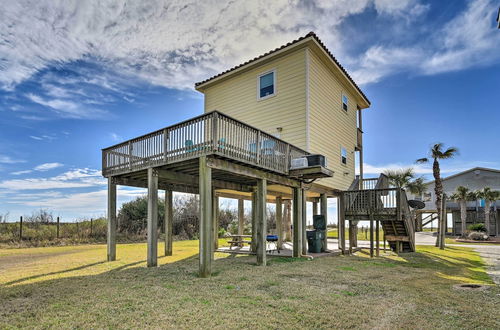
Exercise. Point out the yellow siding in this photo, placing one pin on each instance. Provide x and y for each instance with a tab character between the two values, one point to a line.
330	127
237	97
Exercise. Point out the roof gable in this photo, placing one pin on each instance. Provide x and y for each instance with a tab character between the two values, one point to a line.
492	170
302	40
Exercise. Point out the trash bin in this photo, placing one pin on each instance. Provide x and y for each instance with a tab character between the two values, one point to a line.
314	241
319	224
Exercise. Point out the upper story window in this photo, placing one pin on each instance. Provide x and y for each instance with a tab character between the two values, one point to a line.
345	102
343	155
267	85
427	197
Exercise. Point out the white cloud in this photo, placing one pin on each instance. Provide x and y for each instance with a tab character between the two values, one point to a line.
426	169
68	109
43	137
9	160
78	178
47	166
21	172
468	40
176	43
168	43
115	137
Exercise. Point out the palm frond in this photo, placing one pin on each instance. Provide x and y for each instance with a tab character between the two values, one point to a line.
422	160
461	193
449	153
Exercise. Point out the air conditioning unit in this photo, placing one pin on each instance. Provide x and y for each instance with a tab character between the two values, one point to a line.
308	161
299	163
316	160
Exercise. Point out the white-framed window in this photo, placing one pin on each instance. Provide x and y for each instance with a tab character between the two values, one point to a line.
343	155
345	102
427	196
267	84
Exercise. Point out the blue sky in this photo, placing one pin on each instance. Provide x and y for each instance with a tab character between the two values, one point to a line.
80	76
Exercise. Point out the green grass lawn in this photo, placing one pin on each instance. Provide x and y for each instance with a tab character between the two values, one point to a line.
73	287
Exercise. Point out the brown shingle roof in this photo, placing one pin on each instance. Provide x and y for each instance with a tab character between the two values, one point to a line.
309	35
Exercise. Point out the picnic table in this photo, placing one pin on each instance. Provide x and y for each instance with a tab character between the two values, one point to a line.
239	240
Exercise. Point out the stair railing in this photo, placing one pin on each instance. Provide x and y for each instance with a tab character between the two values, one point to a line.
405	214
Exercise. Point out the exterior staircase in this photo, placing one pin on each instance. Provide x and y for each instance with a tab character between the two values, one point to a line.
378	202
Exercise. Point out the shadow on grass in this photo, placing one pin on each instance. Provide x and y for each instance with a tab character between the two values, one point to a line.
53	273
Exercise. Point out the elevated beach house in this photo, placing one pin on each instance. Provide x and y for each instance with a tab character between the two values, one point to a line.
474	179
284	126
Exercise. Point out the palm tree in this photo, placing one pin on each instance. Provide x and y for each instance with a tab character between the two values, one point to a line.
417	187
436	154
462	195
489	197
400	178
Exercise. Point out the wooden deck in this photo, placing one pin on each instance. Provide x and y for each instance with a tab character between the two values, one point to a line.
210	134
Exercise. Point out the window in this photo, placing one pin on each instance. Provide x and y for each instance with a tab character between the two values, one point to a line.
345	102
266	85
427	197
343	155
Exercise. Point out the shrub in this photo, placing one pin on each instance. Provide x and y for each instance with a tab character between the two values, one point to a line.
478	236
477	227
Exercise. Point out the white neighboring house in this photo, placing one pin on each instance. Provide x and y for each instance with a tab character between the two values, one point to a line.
475	179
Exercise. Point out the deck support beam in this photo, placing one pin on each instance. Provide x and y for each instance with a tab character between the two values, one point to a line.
324	212
297	221
206	230
279	221
261	221
341	222
241	216
377	238
152	260
168	221
111	239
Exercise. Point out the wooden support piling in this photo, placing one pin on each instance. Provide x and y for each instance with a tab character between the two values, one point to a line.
324	212
261	220
351	237
57	229
279	221
21	228
315	208
371	236
377	238
304	223
152	259
215	210
241	216
168	221
206	230
253	244
341	222
297	222
111	239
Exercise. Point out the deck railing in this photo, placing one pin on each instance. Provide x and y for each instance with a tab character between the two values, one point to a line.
372	201
211	133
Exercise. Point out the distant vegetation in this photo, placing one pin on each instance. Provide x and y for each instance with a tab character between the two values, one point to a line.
40	228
